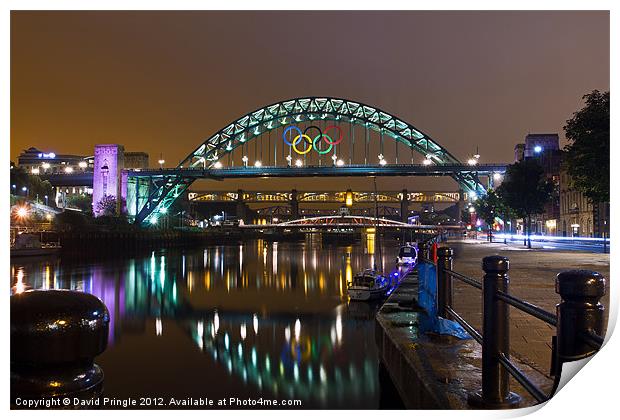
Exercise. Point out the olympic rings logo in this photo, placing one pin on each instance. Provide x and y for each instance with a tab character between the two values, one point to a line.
312	142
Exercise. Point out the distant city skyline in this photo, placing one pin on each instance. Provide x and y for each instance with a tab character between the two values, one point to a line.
162	82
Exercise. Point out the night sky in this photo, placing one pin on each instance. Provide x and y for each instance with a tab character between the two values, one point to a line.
161	82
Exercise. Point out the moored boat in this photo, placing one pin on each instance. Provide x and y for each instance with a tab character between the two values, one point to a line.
369	285
407	254
29	245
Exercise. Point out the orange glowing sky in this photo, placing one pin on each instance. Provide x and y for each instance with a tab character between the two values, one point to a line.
161	82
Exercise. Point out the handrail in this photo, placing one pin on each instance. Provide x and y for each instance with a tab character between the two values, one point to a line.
464	279
516	373
528	308
575	327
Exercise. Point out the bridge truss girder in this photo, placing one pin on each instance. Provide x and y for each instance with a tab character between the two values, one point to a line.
294	111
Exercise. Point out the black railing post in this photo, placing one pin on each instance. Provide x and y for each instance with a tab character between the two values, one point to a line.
424	250
580	312
495	392
444	280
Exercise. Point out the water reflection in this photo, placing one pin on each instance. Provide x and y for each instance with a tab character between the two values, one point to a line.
273	316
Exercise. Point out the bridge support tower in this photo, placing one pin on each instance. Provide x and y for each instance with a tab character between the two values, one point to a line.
404	206
240	210
294	205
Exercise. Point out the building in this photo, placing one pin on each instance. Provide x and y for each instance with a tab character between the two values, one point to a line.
38	162
545	148
136	160
578	216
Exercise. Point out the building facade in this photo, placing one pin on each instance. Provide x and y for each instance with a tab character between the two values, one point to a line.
545	148
576	212
38	162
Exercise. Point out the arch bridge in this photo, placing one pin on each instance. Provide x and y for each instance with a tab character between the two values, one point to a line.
305	137
328	197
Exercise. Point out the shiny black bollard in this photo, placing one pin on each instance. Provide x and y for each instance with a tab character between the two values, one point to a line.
579	313
55	336
444	281
424	249
495	392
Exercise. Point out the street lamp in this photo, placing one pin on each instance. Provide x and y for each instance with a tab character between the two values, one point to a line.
83	165
299	163
258	164
46	200
537	149
497	176
472	161
68	169
218	165
382	161
25	190
45	166
245	159
334	159
339	162
161	166
289	159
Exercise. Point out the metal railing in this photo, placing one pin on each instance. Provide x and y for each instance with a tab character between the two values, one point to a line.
578	321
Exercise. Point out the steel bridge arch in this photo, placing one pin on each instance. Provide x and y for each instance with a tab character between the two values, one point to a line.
292	111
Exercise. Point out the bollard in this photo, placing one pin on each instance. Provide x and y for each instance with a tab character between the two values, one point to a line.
578	313
424	250
444	281
495	392
55	336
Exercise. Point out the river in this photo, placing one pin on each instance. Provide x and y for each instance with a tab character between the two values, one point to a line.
253	320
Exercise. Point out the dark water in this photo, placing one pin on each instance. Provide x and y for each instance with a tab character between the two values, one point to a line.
261	319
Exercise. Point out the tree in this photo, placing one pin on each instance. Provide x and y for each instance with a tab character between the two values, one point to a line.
488	207
588	153
82	202
106	206
525	190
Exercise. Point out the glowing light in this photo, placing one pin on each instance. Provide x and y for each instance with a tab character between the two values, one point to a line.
339	162
82	164
68	169
35	171
153	220
258	164
472	161
472	210
297	329
158	326
163	211
427	161
45	165
216	322
217	165
287	333
48	216
382	161
243	331
22	212
338	327
497	176
473	195
537	149
299	163
161	161
245	159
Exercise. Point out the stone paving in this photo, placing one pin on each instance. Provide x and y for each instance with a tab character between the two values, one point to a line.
532	278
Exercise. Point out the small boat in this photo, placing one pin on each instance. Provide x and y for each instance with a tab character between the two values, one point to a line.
369	285
407	254
29	245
